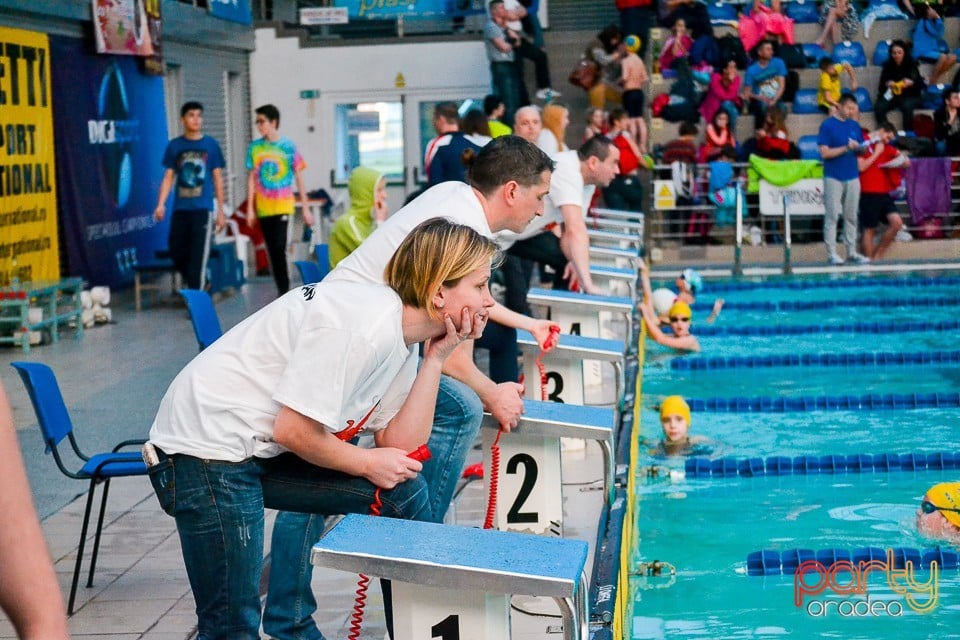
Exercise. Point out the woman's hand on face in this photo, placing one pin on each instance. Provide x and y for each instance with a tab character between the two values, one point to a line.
471	328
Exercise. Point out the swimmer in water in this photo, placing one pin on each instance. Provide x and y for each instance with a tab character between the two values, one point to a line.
675	420
680	317
939	514
688	284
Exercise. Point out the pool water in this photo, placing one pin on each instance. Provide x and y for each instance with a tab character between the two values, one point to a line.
706	527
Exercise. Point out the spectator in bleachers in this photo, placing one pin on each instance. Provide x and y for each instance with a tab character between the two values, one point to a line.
515	13
556	119
625	191
494	108
717	135
946	124
840	22
636	16
830	86
677	45
900	85
633	77
773	139
764	83
475	126
681	154
880	173
501	44
766	20
723	93
596	123
693	12
684	148
527	123
840	141
605	51
929	45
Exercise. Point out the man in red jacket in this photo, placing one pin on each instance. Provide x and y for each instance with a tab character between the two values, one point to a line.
881	170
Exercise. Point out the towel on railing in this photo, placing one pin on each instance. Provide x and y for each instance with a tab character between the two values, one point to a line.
780	173
928	188
880	11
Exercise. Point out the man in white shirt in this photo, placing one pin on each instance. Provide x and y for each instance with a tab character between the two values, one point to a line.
505	189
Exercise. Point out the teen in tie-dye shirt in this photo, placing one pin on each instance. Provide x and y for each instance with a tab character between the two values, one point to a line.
274	164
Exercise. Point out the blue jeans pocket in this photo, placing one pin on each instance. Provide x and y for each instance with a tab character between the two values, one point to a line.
163	479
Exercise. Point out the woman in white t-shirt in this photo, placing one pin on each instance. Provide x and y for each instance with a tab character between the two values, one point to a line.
263	417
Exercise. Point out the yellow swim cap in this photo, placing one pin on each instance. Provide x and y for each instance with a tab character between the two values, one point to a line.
632	43
946	494
680	310
677	406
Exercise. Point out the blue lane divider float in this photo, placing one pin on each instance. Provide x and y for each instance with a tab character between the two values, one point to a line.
816	360
723	287
770	562
866	402
809	329
731	467
808	305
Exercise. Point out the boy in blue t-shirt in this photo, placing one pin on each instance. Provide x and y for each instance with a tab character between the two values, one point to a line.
841	141
764	83
191	160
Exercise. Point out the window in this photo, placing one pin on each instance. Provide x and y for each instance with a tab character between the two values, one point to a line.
370	134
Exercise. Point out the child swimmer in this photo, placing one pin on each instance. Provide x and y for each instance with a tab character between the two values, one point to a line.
939	514
675	420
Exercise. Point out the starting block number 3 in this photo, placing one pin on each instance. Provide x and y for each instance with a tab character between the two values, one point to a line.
448	614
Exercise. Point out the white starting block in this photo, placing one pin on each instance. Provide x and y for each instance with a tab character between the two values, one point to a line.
616	224
529	497
578	313
604	237
615	256
620	282
567	379
455	582
614	214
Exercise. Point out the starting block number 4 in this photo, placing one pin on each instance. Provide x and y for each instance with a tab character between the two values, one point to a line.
421	612
528	496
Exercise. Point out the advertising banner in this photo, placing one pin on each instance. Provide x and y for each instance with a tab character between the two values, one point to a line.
232	10
111	133
28	191
804	198
121	27
393	8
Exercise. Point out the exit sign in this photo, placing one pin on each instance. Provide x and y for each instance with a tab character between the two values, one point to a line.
309	94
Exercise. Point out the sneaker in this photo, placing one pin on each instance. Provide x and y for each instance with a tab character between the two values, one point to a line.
904	236
547	94
834	259
858	258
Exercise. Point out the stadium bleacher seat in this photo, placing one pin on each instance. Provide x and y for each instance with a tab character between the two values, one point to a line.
882	52
933	96
805	102
813	53
803	11
809	150
851	52
721	11
863	100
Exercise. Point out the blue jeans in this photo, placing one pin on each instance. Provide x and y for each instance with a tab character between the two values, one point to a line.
505	83
290	601
732	110
219	507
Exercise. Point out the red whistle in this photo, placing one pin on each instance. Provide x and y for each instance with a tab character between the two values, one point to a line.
421	453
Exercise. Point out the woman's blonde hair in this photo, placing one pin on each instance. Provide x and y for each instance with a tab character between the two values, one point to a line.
437	252
553	120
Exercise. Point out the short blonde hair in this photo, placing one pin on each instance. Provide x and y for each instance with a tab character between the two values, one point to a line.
437	252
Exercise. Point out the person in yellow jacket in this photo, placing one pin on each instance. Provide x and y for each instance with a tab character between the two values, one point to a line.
368	208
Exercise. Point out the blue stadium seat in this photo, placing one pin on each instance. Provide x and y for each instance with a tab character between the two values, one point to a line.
721	11
933	96
805	102
882	52
851	52
813	53
803	11
863	100
809	149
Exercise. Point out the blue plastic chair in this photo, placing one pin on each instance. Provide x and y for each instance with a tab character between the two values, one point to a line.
813	53
863	100
322	251
721	11
206	324
851	52
882	53
55	424
809	149
309	271
805	102
803	12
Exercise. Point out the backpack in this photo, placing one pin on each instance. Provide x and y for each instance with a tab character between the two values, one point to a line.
792	56
730	47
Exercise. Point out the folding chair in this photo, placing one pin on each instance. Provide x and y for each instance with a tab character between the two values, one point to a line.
55	424
206	325
309	271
